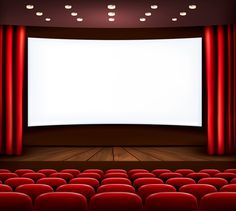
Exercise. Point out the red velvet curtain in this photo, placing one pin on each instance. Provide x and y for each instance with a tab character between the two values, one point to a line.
12	56
220	52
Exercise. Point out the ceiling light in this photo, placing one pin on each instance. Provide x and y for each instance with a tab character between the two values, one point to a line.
154	6
74	13
29	6
183	13
39	13
111	19
111	6
79	19
174	19
142	19
148	14
68	7
192	6
111	14
47	19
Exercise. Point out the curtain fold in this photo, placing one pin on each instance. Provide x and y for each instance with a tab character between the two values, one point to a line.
12	56
220	84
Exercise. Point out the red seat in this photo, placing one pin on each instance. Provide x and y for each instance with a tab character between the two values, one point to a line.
166	176
60	201
141	175
197	176
115	188
226	175
169	201
115	201
211	172
228	188
146	190
184	172
12	201
17	181
116	180
74	172
20	172
54	182
133	171
230	171
217	182
65	176
34	176
116	171
47	172
219	201
115	174
34	190
158	172
91	175
85	190
98	171
5	171
7	175
198	190
5	188
233	181
86	180
146	180
180	181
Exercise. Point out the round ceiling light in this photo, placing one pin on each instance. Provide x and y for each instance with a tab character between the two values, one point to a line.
174	19
111	14
47	19
192	6
154	6
111	6
39	13
68	7
183	13
111	19
148	13
142	19
79	19
29	6
74	13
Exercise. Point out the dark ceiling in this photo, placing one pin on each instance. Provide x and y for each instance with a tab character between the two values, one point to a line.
127	13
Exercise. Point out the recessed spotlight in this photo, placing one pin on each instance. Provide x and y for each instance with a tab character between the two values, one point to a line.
111	19
47	19
111	13
183	13
154	6
39	13
29	6
79	19
68	7
174	19
192	6
142	19
74	13
111	6
148	13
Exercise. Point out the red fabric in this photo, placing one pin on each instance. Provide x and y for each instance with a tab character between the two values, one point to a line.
220	52
12	53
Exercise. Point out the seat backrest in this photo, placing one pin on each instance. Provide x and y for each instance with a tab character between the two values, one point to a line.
233	181
85	190
230	171
86	180
65	176
34	190
228	188
141	175
217	182
146	190
219	201
74	172
177	182
184	172
157	172
17	181
133	171
20	172
13	201
34	176
169	201
116	180
166	176
226	175
116	171
54	182
47	172
116	188
146	180
198	190
91	175
211	172
115	201
115	174
198	175
5	188
5	171
60	201
98	171
6	175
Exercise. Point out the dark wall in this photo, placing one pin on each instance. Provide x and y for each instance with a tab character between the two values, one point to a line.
114	135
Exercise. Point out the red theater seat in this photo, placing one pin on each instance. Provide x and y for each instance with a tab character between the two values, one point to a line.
86	180
133	171
20	172
226	175
141	175
115	201
91	175
54	182
34	176
233	181
217	182
116	188
5	188
61	201
228	188
166	176
65	176
158	172
198	176
5	171
47	172
12	201
98	171
184	172
180	181
17	181
116	180
230	171
198	190
34	190
147	180
211	172
220	201
85	190
176	201
116	171
74	172
115	174
7	175
146	190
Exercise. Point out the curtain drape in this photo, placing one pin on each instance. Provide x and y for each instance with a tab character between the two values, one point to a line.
12	57
220	53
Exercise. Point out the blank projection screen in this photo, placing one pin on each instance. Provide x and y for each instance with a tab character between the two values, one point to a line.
157	82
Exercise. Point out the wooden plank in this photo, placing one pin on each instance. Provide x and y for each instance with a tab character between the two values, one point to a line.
85	156
140	155
120	154
105	154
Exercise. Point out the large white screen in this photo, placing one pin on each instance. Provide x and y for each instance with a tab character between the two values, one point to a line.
115	81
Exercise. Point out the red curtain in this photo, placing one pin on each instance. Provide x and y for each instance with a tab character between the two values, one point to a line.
220	53
12	56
